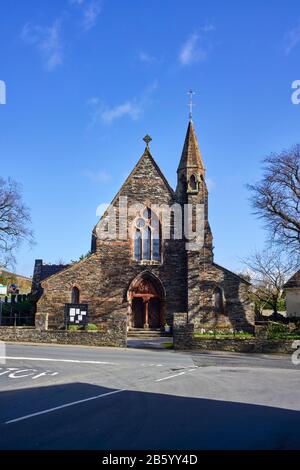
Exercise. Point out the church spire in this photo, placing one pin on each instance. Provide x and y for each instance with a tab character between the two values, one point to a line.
191	157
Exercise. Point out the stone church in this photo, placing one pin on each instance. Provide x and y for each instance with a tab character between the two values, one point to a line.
142	275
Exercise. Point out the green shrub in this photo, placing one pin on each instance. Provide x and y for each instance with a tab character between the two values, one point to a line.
277	330
74	327
223	335
91	327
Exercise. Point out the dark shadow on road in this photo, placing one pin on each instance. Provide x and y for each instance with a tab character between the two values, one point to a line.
140	420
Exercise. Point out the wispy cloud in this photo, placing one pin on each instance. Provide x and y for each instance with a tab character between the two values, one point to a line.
47	40
90	12
133	108
102	208
292	38
100	176
148	59
130	108
210	184
195	49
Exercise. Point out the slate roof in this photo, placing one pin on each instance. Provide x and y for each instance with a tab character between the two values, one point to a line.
50	269
293	282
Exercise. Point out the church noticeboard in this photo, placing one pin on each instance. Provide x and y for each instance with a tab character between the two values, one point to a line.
76	314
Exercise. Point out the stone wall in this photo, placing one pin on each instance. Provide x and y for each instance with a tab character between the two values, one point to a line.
183	332
184	339
114	336
251	345
238	311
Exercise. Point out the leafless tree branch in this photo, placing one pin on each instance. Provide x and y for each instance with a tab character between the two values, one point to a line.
15	221
276	199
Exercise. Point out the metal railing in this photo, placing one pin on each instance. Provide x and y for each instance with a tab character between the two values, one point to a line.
11	315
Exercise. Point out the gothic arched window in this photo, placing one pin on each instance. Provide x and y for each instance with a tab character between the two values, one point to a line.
138	245
219	300
193	183
147	243
75	295
147	237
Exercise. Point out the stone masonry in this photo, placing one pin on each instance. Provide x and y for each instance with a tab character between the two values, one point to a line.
182	280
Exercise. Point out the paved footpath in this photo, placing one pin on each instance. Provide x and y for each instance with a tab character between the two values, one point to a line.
72	397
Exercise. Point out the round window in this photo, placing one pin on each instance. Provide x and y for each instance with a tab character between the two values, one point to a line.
140	223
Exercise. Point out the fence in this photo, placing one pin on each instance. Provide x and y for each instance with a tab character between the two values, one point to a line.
16	311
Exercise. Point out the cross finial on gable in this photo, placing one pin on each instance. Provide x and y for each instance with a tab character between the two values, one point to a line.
191	104
147	139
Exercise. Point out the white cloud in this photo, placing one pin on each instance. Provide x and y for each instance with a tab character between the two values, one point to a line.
100	176
208	27
90	11
133	108
292	38
102	208
210	184
94	100
90	14
130	108
195	48
147	59
191	51
47	40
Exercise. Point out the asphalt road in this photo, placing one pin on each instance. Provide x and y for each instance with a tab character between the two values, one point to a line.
68	397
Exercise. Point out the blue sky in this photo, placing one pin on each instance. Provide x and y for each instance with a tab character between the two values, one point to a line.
87	79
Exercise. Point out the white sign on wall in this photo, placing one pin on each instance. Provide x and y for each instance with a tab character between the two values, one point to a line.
3	289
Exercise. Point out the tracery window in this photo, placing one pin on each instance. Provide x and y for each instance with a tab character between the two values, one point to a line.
147	237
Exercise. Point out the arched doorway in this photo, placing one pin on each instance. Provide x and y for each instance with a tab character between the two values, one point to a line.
146	302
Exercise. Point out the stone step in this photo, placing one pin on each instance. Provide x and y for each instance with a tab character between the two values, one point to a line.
145	329
138	334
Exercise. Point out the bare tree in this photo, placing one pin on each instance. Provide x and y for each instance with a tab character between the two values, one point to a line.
276	199
14	221
269	270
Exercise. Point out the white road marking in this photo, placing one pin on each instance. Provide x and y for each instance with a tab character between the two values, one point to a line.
175	375
11	372
76	361
66	405
169	377
47	372
13	375
152	365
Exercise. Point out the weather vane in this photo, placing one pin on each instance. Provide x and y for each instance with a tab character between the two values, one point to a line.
191	104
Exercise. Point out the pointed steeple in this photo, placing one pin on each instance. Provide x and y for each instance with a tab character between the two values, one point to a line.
191	156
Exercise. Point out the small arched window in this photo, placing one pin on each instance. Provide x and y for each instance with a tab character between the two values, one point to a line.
193	183
138	245
219	300
75	295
